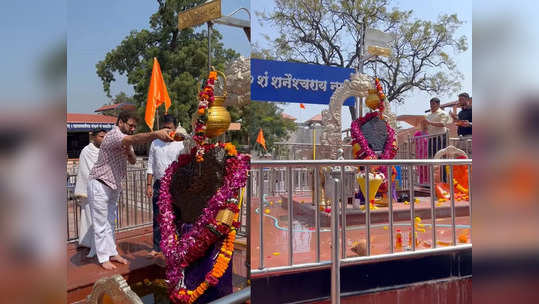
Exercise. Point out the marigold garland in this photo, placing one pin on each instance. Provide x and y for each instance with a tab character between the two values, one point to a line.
181	251
206	98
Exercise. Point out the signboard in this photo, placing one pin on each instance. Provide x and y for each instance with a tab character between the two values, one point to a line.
200	14
378	38
81	127
281	81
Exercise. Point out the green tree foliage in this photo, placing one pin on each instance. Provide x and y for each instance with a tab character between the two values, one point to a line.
182	56
266	115
329	32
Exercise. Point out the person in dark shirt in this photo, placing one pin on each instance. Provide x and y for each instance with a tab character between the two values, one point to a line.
464	119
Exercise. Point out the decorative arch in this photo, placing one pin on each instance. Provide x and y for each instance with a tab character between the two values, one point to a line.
357	86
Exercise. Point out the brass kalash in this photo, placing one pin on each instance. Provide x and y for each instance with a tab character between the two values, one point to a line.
194	184
218	116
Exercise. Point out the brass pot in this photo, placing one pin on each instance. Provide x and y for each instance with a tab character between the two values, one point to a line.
218	118
372	100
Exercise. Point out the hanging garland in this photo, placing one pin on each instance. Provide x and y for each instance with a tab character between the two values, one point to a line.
210	227
359	142
206	98
218	220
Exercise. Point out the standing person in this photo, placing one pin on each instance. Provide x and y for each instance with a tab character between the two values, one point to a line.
464	118
161	155
421	146
437	121
87	159
105	182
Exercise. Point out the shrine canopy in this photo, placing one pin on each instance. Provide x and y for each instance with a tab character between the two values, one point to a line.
281	81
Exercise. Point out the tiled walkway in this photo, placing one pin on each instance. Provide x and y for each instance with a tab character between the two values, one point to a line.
275	230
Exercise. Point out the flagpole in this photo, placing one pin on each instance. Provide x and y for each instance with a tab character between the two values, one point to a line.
157	117
314	143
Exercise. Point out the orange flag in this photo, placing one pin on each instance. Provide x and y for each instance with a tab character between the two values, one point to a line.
302	106
157	94
260	139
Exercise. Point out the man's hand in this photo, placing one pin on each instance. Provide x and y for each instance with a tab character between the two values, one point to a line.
466	123
149	191
164	135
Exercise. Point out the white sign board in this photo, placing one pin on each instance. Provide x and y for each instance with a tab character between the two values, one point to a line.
378	38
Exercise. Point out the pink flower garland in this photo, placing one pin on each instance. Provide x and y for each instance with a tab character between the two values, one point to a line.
390	147
181	251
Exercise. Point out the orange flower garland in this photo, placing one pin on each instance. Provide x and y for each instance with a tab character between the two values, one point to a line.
219	267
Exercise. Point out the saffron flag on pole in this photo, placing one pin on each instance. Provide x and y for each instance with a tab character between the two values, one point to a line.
260	139
157	94
302	106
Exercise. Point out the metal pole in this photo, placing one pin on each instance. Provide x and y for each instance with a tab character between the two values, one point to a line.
433	206
470	196
209	45
343	214
390	204
290	216
453	215
248	206
261	209
368	208
412	208
335	259
411	183
317	211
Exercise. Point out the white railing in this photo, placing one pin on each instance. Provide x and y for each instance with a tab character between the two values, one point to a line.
338	212
134	207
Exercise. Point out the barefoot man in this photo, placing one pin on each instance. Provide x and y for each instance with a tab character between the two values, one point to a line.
106	178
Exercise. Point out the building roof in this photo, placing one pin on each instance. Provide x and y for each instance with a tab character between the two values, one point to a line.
315	118
89	118
119	106
234	126
286	116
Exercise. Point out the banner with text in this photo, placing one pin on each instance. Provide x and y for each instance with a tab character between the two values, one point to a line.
282	81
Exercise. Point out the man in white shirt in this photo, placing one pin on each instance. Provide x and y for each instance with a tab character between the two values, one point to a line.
437	121
87	159
161	155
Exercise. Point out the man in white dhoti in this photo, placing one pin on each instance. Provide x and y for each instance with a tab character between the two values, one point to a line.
161	155
106	179
87	159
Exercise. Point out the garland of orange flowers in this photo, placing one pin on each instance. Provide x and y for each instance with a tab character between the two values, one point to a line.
219	267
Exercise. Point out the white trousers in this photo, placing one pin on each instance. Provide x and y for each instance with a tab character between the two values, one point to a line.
86	230
103	206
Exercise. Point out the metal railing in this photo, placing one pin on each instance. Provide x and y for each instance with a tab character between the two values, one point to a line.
134	207
338	214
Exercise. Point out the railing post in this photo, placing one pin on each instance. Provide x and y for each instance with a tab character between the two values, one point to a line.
343	214
390	205
261	212
335	257
470	196
368	208
433	206
317	211
248	226
453	215
290	217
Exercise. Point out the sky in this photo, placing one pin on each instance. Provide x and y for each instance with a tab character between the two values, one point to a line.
30	34
96	27
417	102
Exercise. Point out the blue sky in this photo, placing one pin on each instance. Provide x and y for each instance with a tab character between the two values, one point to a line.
96	27
426	10
29	32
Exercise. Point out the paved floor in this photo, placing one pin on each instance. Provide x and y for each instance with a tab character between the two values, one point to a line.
276	240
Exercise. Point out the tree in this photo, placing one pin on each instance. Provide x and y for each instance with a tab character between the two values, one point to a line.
330	32
118	99
182	56
265	115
